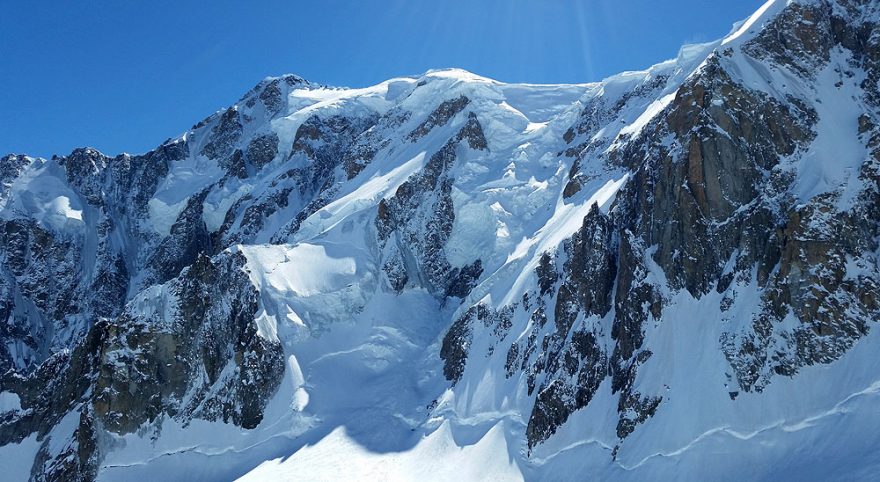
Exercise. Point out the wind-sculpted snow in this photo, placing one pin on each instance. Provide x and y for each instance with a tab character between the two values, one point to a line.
669	274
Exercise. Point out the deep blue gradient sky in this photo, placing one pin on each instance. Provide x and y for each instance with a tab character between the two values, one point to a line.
124	75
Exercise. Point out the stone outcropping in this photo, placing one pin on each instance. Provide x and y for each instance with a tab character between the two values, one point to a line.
709	205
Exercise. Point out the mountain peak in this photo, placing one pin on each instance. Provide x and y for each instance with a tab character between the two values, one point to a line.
458	74
652	277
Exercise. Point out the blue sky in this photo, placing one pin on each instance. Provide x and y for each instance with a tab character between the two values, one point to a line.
124	75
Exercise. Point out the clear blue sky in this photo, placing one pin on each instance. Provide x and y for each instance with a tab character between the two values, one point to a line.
124	75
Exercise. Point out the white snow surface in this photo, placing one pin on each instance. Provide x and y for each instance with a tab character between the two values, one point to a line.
9	402
436	457
42	194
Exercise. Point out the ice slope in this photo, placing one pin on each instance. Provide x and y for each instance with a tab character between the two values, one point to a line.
436	457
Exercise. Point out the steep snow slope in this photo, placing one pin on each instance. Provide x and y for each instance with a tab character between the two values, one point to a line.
669	274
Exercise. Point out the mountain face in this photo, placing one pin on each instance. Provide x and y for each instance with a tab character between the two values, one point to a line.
670	274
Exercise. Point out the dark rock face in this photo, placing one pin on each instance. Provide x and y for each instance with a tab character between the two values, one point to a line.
596	114
361	153
188	239
49	392
270	93
322	148
84	169
111	281
456	345
77	338
206	362
37	276
682	204
211	329
136	178
271	97
262	149
325	142
811	282
571	360
419	218
802	36
574	380
224	136
253	216
592	269
10	167
441	116
472	132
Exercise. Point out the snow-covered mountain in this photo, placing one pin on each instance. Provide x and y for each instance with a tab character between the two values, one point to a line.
669	274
